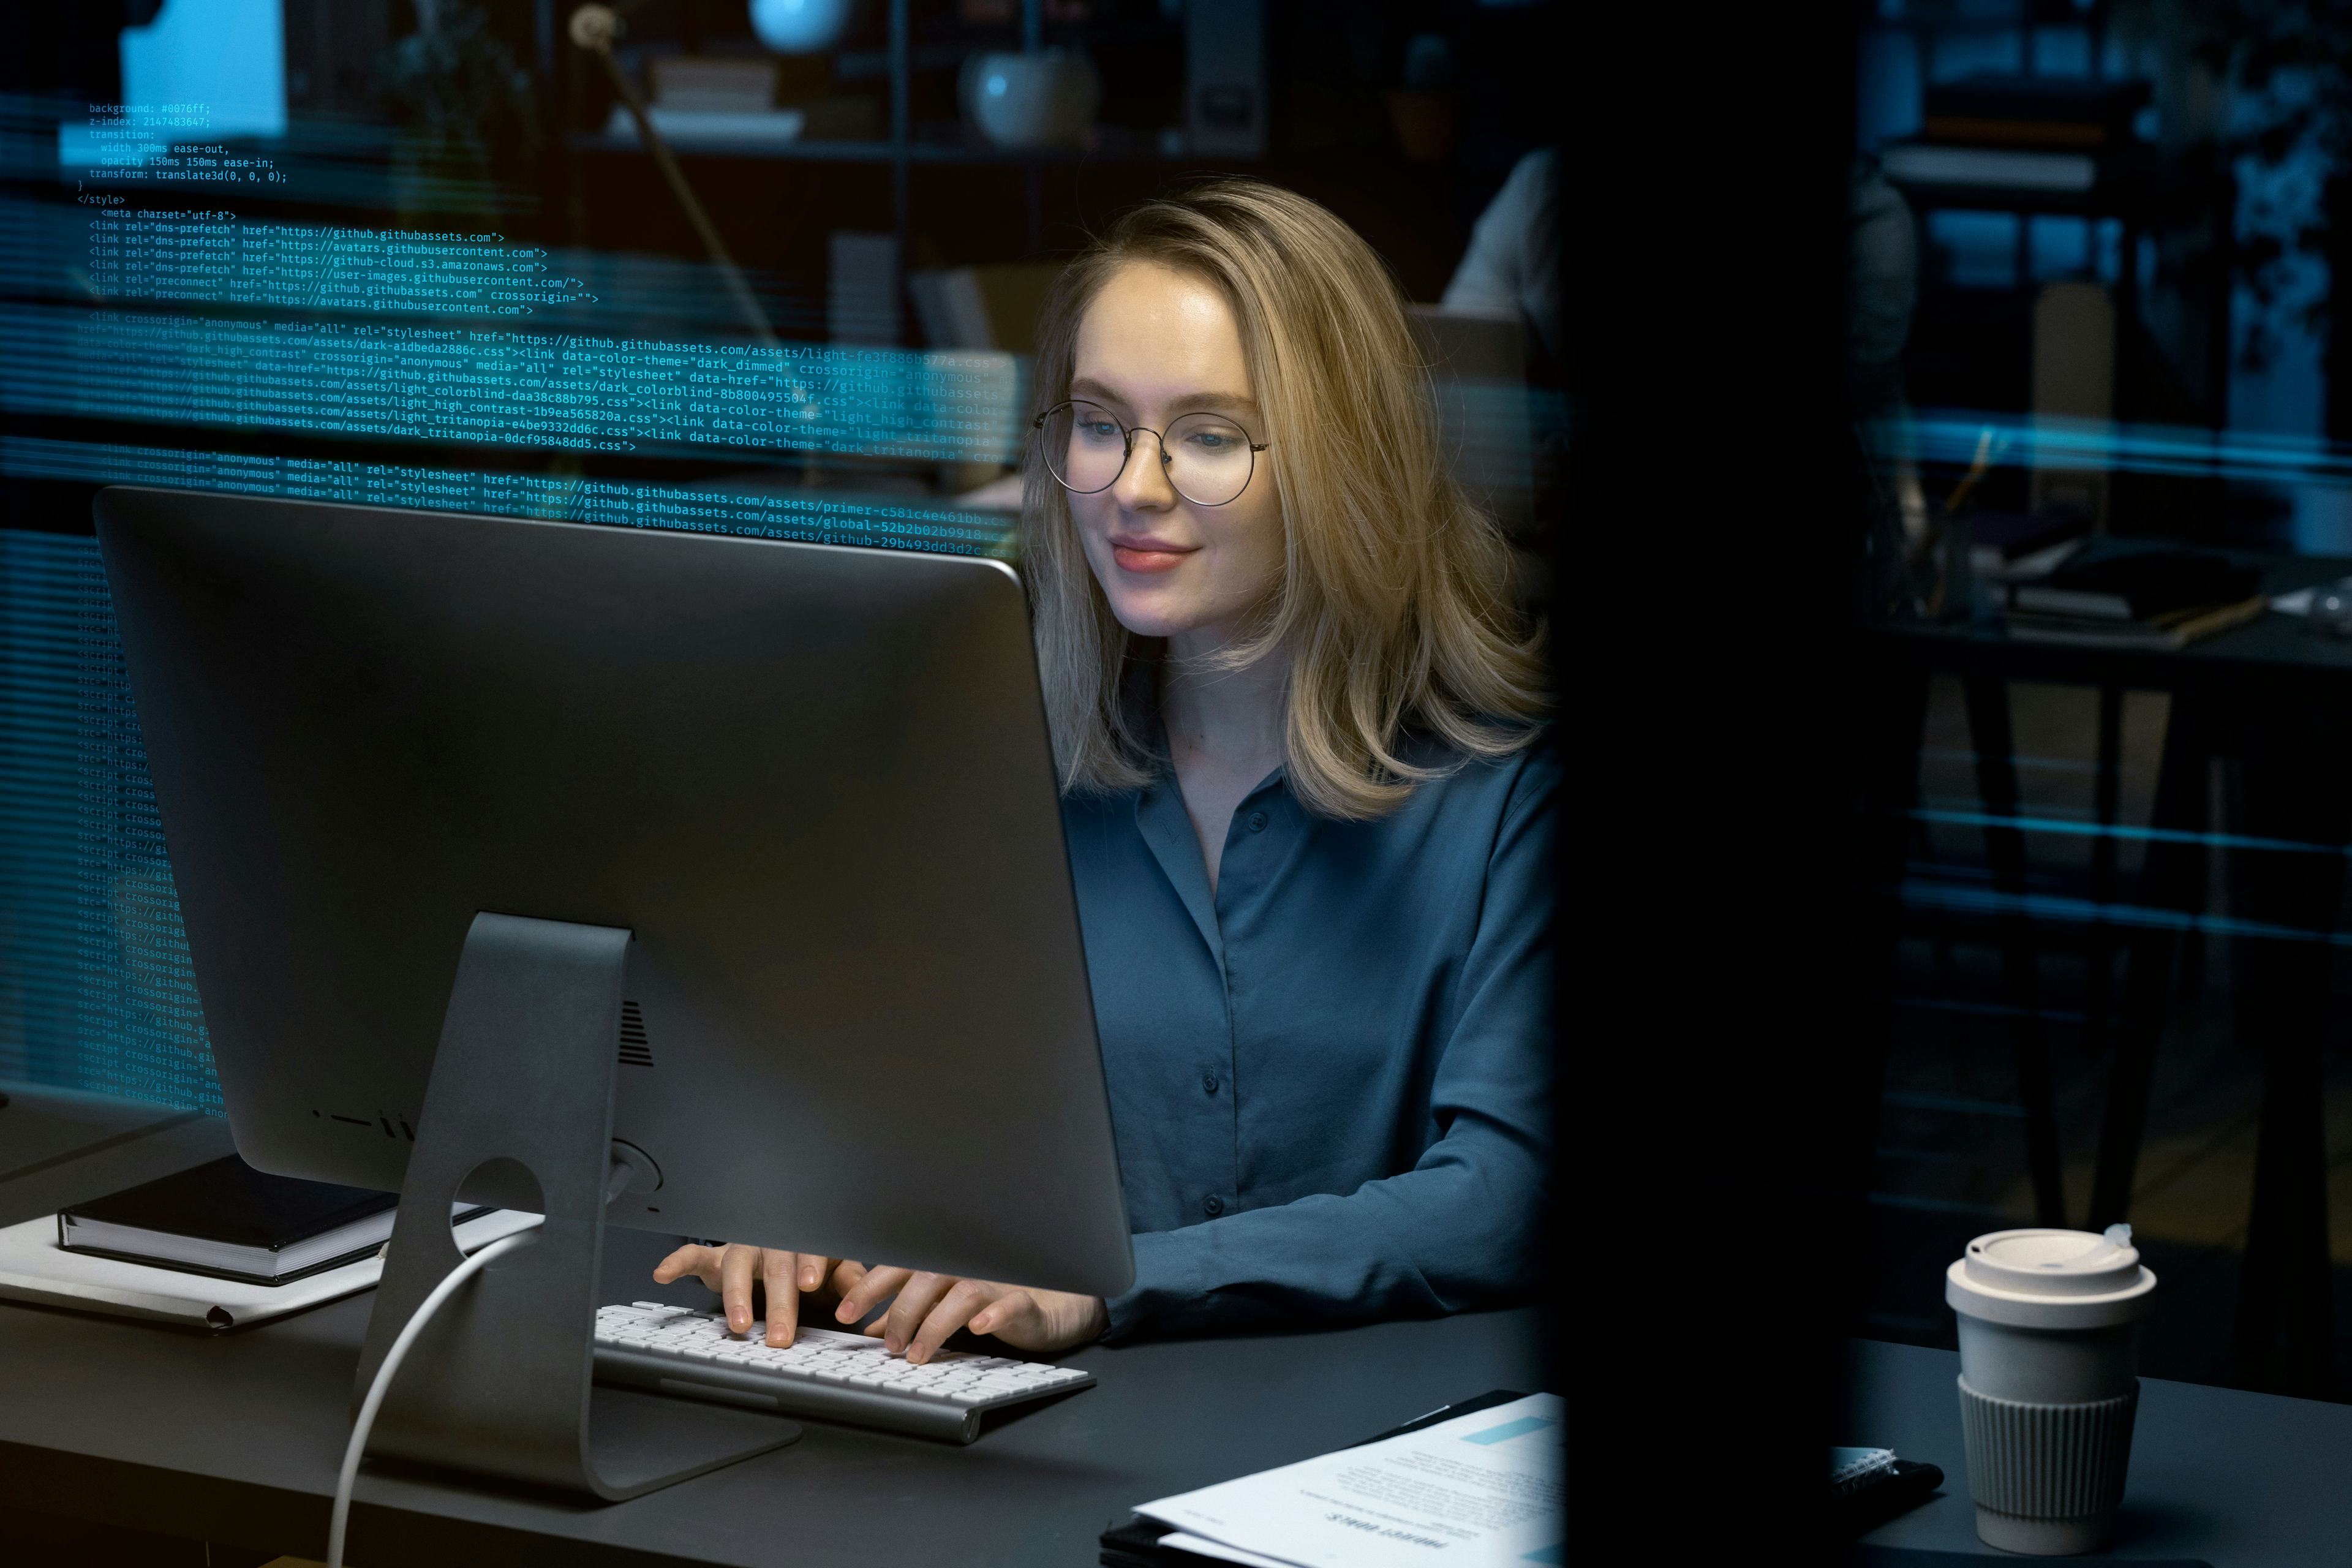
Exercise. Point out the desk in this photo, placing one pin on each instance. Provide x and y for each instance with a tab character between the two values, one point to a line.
2278	698
2241	1480
236	1438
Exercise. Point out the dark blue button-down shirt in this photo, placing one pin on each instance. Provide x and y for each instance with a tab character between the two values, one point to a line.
1331	1079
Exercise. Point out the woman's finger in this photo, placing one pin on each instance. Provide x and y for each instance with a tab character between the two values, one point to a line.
846	1273
915	1300
874	1288
1012	1315
812	1272
781	1273
956	1307
702	1262
736	1267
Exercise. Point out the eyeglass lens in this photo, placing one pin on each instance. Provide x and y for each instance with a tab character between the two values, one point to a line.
1207	455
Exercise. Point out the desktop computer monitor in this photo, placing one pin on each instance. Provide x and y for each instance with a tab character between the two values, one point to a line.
812	785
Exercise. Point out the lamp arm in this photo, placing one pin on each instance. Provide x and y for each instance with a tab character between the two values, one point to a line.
594	27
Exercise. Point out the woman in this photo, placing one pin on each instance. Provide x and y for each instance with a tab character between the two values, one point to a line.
1310	834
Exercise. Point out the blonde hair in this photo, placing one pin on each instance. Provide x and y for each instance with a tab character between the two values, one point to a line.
1393	598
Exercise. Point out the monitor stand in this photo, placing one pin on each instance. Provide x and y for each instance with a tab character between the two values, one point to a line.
501	1383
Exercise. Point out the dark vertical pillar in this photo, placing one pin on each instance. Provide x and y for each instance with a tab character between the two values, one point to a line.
1714	706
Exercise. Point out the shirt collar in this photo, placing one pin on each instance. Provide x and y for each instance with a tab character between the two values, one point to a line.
1166	829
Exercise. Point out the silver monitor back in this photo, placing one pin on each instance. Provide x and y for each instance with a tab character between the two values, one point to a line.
814	780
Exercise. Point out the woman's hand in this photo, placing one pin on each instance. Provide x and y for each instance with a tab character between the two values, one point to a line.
730	1271
930	1307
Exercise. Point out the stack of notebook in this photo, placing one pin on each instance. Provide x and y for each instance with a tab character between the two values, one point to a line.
2120	596
229	1221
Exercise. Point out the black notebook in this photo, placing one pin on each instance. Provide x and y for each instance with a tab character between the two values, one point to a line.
231	1221
2128	584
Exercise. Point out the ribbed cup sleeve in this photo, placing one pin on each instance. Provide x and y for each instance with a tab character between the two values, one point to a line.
2047	1462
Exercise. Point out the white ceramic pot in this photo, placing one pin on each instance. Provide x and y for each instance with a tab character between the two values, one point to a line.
1026	100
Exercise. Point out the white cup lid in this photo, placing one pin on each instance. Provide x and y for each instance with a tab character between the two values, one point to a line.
2051	1279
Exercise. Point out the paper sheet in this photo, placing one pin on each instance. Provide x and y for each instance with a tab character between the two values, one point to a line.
33	1267
1483	1489
1201	1546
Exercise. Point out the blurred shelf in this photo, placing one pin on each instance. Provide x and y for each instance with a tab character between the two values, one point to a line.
823	152
926	47
945	48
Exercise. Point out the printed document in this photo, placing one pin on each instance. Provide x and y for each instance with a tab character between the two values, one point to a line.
1482	1489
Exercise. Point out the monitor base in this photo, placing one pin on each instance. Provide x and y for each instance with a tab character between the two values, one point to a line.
639	1443
499	1383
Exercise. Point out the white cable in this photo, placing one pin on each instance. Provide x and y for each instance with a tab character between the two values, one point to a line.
392	1359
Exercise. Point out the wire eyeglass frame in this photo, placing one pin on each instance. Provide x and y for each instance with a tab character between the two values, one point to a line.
1159	438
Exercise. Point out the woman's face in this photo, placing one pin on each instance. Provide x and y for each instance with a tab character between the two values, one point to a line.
1157	345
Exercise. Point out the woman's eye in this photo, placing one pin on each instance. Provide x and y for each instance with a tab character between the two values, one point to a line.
1098	430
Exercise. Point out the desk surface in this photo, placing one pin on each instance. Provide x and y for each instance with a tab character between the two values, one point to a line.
2241	1480
236	1438
2275	654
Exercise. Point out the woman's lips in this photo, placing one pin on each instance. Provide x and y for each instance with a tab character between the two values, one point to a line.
1149	556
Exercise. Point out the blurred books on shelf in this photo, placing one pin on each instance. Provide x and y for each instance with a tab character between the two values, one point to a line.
712	84
701	100
702	127
2045	112
2045	134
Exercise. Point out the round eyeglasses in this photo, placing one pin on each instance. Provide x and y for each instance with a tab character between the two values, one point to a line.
1207	457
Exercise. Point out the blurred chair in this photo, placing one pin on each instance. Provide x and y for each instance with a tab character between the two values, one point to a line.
982	307
1486	423
991	308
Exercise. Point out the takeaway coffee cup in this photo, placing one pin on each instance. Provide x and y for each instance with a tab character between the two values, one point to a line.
2048	1382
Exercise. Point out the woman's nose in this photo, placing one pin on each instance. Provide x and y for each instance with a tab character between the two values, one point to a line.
1143	483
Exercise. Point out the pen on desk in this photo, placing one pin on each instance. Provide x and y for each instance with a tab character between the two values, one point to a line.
1987	444
1487	1401
1977	468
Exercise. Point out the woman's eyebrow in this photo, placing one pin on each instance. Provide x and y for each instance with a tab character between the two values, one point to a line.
1089	388
1214	402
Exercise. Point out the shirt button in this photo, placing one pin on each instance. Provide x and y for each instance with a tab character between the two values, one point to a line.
1257	822
1208	1083
1212	1205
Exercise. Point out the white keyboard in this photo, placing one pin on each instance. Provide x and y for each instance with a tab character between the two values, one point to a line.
827	1374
